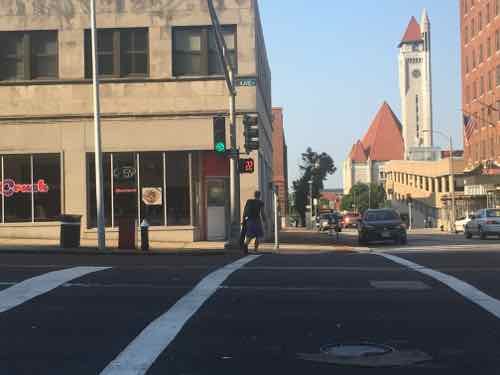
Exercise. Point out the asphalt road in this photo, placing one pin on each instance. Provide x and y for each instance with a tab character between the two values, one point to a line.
433	308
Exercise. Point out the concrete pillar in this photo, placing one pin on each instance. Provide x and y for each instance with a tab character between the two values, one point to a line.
443	185
450	182
436	185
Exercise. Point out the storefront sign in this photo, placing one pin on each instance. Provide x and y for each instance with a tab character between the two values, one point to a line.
10	187
152	196
124	173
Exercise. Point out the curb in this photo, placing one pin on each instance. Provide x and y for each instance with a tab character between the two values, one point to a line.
191	252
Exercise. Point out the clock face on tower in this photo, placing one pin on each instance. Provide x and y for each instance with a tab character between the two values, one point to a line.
416	73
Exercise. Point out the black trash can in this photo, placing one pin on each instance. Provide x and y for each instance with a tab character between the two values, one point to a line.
70	231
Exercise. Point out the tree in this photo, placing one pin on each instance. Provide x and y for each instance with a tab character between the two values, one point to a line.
316	167
363	196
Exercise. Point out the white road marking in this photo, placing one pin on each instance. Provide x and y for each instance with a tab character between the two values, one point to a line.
141	353
28	289
399	285
490	304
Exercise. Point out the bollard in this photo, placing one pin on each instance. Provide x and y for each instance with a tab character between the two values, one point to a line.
144	235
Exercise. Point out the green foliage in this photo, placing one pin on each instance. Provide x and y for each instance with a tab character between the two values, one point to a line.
363	196
316	167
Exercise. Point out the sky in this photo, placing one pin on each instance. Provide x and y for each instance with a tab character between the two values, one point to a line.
333	65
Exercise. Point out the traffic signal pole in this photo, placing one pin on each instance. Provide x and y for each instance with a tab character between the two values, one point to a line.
233	240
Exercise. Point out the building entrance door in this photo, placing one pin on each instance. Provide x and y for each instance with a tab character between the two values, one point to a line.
217	209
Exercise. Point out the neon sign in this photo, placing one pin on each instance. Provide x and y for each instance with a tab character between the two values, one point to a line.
9	187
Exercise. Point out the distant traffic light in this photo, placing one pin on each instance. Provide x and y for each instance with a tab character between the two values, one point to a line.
251	123
220	135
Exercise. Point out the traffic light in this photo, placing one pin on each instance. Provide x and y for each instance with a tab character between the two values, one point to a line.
251	123
220	135
247	165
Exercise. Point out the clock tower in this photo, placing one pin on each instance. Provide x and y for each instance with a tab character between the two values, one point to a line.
415	81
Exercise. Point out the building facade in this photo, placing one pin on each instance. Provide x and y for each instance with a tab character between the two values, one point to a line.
480	52
415	81
382	142
161	87
280	163
428	185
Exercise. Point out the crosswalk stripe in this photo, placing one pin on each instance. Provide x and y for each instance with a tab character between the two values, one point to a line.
28	289
141	353
488	303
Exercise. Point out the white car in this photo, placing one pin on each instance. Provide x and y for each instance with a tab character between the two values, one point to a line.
484	223
461	223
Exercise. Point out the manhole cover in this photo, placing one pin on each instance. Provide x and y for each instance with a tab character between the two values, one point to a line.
356	350
365	354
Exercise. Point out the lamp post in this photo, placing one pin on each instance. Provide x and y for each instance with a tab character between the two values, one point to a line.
311	203
99	185
452	177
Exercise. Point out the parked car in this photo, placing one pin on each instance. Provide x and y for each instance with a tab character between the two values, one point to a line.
461	222
351	220
382	225
484	223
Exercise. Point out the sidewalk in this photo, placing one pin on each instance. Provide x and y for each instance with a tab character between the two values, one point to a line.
291	241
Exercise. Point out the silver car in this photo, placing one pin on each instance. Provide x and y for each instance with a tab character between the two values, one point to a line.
483	223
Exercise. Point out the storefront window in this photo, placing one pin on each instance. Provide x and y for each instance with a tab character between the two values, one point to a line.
123	196
152	183
124	185
91	195
17	173
178	189
31	188
47	170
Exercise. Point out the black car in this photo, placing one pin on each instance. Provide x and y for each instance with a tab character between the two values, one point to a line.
382	225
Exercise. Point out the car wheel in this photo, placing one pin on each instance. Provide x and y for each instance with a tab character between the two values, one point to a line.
482	234
467	234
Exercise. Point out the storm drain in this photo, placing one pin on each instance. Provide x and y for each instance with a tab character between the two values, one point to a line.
365	354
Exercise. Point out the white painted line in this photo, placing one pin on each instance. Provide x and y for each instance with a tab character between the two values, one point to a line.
399	285
490	304
141	353
36	286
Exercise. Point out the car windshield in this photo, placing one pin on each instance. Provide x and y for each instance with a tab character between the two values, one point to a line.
381	216
493	213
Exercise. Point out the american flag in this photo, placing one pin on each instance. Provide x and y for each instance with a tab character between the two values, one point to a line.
469	126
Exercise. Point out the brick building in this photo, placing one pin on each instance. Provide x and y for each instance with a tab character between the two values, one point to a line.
480	47
280	162
161	87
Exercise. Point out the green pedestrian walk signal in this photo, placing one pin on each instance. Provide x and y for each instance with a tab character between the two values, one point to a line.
220	146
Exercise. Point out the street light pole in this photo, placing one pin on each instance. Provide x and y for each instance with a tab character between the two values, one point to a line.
99	185
452	177
452	188
233	165
311	202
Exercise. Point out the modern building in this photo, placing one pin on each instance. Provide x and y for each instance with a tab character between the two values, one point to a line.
161	87
280	163
480	47
382	142
427	184
415	82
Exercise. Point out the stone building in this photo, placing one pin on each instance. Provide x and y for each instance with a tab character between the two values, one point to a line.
161	88
382	142
415	82
428	184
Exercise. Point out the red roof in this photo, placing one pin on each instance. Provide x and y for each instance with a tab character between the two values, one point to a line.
383	140
412	33
358	152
